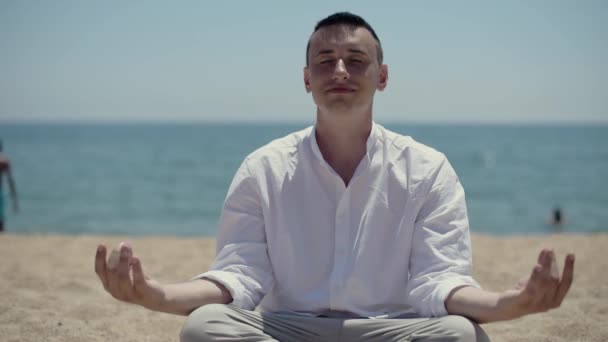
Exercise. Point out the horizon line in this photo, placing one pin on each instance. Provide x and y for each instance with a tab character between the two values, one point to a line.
179	122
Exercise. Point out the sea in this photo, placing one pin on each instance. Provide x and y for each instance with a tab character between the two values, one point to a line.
171	179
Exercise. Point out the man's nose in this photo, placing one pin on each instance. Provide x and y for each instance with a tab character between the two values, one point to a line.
340	72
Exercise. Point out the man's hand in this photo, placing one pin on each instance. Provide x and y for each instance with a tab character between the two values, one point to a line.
123	277
544	289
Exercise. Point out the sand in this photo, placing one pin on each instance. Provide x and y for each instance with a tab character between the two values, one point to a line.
49	290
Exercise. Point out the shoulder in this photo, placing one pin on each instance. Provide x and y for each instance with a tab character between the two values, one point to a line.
414	164
280	151
404	148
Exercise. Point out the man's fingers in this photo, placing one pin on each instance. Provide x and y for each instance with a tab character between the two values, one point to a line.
532	288
542	264
544	258
541	257
545	290
549	274
114	259
566	280
550	280
124	269
112	275
124	252
100	265
554	266
138	273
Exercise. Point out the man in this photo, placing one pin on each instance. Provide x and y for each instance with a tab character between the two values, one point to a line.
5	169
343	231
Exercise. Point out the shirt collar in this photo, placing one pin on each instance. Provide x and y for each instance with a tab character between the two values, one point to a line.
370	145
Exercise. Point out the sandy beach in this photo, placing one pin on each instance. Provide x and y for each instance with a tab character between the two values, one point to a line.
49	290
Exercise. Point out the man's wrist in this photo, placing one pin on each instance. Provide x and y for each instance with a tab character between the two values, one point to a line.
162	303
483	306
508	306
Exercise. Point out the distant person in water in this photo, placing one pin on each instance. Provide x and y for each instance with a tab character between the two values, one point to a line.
557	217
5	169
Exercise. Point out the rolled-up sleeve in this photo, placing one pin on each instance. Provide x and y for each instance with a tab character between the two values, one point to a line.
441	257
242	264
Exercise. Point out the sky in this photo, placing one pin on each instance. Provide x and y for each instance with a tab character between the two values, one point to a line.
189	61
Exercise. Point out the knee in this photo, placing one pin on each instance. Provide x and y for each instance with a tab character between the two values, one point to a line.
199	323
465	329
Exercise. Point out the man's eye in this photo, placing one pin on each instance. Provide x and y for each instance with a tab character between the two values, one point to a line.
356	61
326	61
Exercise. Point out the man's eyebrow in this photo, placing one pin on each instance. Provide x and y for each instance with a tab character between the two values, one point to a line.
357	51
325	52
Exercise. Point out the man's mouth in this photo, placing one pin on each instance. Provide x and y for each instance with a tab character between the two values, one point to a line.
340	90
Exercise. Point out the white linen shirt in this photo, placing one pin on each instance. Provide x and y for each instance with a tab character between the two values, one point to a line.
394	242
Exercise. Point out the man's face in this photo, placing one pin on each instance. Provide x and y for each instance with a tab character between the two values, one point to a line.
343	71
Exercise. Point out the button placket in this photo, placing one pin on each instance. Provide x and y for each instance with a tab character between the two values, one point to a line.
340	258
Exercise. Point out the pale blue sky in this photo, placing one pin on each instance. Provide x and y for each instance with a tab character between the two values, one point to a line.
175	61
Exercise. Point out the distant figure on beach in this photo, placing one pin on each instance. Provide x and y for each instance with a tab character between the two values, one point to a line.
342	231
5	170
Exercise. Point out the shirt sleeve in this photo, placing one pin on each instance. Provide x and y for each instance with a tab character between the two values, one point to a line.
441	257
242	264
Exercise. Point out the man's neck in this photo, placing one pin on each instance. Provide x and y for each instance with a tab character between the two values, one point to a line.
342	140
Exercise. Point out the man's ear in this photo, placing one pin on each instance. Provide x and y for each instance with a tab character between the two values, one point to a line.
307	79
383	80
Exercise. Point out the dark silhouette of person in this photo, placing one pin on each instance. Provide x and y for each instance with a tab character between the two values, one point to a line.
557	217
5	169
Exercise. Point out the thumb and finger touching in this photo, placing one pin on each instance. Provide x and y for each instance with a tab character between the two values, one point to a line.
139	278
122	275
551	279
546	288
125	283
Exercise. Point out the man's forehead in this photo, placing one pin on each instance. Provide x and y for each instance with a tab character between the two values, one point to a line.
341	35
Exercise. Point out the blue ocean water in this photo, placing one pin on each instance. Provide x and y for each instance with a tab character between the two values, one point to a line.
162	179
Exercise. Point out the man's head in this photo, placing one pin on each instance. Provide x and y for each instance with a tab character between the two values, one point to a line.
349	20
344	65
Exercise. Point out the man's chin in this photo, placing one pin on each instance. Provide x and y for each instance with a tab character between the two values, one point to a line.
340	106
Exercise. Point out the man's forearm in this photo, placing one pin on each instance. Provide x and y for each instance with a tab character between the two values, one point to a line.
183	298
479	305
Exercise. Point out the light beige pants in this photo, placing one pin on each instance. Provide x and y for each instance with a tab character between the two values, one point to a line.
216	322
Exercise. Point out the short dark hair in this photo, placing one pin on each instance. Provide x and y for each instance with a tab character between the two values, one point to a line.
348	19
